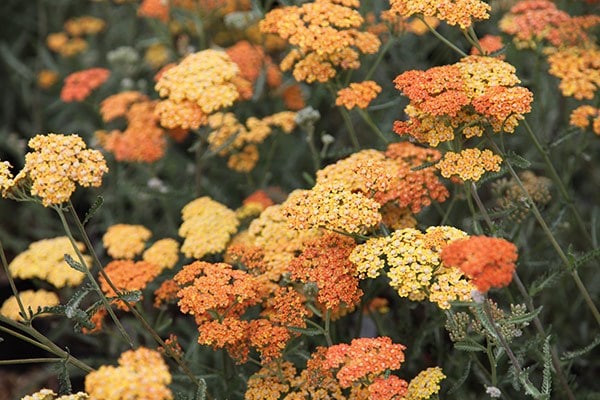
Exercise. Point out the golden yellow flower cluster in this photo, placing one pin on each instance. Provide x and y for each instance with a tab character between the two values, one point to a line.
469	164
30	299
239	142
358	95
411	260
207	227
47	394
57	163
456	12
578	69
123	241
141	374
164	253
45	259
84	25
326	35
202	82
426	384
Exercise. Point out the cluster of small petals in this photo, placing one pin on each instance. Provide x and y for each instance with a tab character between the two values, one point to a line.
118	105
585	115
487	261
368	257
425	385
125	241
6	177
332	207
481	72
84	25
166	293
287	308
268	339
252	61
500	104
141	374
358	95
57	163
203	78
66	46
578	69
490	44
46	78
243	160
450	285
325	35
31	299
457	12
395	217
362	358
183	114
207	227
47	394
45	259
325	262
157	9
469	164
266	384
127	275
388	388
230	333
164	253
79	85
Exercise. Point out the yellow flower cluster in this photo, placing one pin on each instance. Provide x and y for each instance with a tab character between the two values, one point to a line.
578	70
141	374
45	259
164	253
47	394
326	36
30	299
425	385
469	164
207	227
413	264
203	82
84	25
239	142
57	163
123	241
581	117
331	206
456	12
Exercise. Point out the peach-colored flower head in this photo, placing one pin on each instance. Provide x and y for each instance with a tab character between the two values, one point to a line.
325	34
141	373
358	95
157	9
489	44
30	299
79	85
487	261
584	116
46	78
578	69
458	12
125	241
59	162
84	25
127	275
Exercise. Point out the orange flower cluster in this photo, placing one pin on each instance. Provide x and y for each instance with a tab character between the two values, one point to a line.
52	170
578	69
252	61
363	358
199	85
324	261
459	12
141	374
70	42
358	94
157	9
464	96
84	25
143	140
487	261
326	36
79	85
534	22
469	164
489	44
585	115
239	142
127	275
46	78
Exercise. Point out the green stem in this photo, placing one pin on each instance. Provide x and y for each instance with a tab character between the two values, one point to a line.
536	212
501	338
484	213
327	330
476	225
30	361
13	287
350	127
492	360
558	181
382	53
443	39
88	273
367	118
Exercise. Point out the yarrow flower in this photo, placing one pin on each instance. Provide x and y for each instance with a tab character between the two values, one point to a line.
207	227
31	299
163	252
325	34
52	170
47	394
45	259
141	374
584	116
357	95
425	385
578	69
458	12
489	44
509	194
469	164
79	85
125	241
84	25
127	275
487	261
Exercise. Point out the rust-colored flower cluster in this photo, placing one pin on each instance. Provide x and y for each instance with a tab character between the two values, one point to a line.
458	12
487	261
326	34
358	95
79	85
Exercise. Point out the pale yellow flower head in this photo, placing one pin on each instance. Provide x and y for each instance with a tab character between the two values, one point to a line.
125	241
30	299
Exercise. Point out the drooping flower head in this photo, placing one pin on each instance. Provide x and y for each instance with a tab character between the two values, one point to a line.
325	34
79	85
